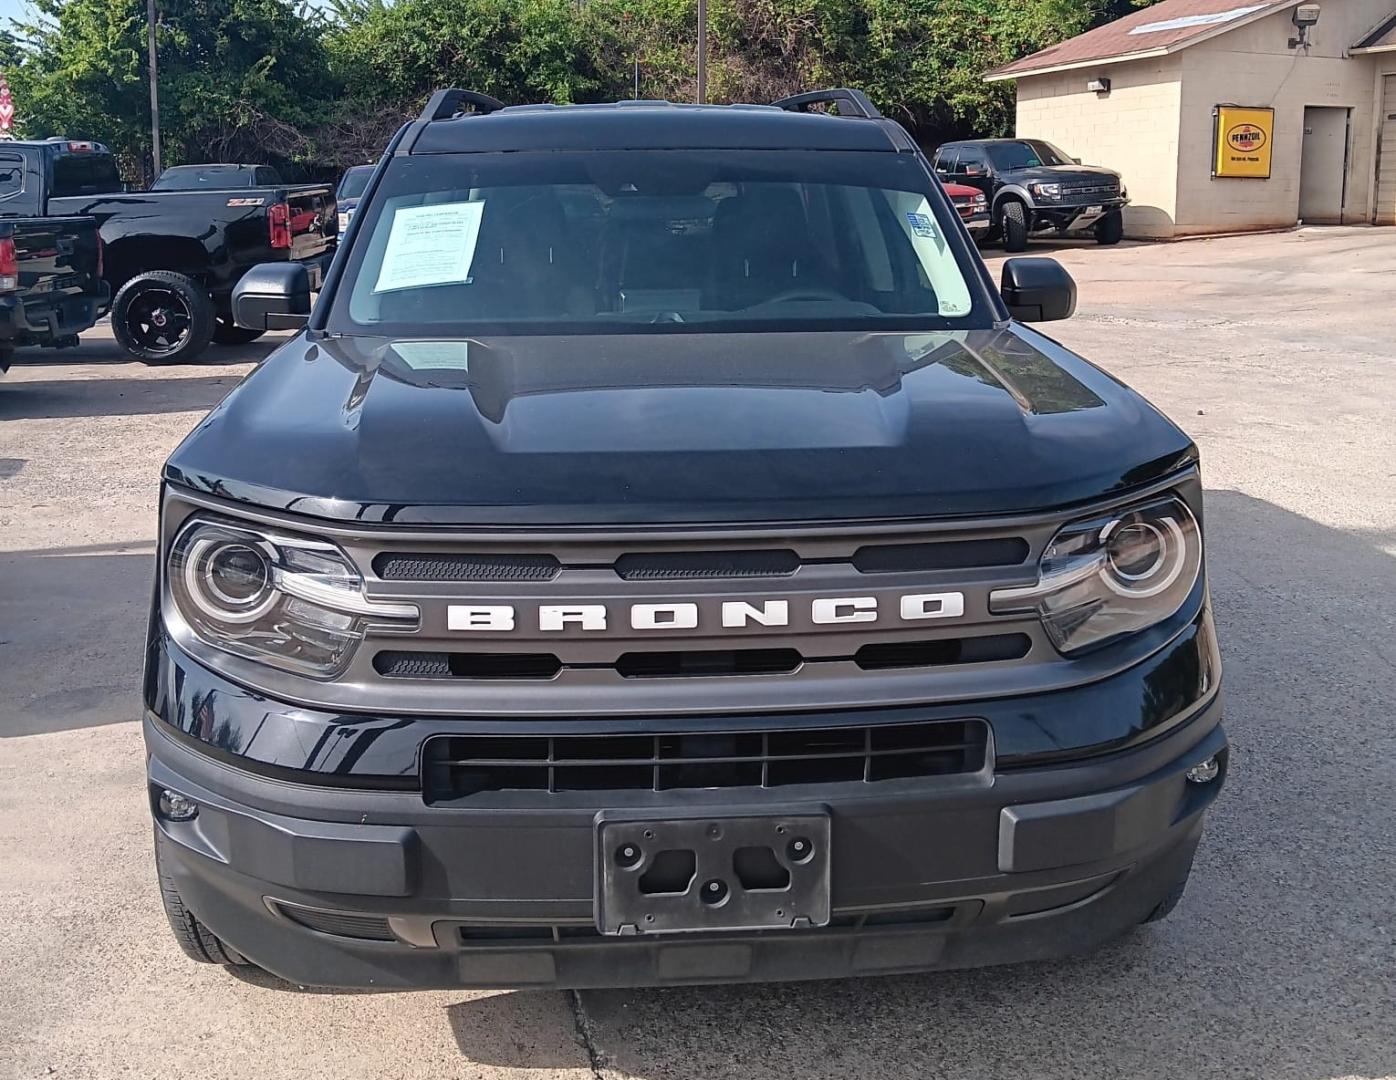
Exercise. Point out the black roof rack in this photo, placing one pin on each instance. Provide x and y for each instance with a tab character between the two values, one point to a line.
445	104
847	102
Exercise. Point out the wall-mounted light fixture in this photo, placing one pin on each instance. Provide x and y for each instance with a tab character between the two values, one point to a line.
1100	87
1305	16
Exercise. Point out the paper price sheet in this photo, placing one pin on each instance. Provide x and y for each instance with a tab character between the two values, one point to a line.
430	245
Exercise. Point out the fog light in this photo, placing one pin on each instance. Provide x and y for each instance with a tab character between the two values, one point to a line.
177	807
1204	772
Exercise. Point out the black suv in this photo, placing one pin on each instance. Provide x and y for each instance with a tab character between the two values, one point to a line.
1033	187
662	558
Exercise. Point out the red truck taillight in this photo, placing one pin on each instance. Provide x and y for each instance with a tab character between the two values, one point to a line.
279	225
9	265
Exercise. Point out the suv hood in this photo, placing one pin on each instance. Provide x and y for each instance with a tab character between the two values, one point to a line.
677	427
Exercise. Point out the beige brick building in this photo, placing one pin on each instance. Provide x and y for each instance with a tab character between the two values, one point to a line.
1145	95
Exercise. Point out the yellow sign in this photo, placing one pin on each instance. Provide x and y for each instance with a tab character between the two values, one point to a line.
1244	139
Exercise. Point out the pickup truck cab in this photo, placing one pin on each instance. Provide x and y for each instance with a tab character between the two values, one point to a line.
51	286
216	177
172	256
350	191
664	556
1034	188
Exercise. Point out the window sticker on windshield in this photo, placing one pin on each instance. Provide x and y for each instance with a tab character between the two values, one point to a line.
921	225
430	245
917	221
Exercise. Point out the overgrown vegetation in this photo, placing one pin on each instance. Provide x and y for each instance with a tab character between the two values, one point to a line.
317	89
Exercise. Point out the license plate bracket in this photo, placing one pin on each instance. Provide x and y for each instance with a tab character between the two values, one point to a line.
771	871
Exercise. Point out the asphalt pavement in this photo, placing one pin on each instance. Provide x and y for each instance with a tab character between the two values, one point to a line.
1277	353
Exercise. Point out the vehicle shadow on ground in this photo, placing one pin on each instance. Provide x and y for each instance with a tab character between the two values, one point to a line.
43	399
1278	962
72	634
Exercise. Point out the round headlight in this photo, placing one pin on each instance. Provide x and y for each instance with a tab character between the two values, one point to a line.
229	579
1143	557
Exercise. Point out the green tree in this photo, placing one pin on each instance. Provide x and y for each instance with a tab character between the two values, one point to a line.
239	79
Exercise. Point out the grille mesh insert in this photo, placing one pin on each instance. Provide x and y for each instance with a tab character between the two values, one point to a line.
406	566
341	924
941	555
707	564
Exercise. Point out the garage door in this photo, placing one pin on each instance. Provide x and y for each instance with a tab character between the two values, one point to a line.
1386	151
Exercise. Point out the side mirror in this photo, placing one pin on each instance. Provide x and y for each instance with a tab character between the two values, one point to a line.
1077	160
1037	290
273	296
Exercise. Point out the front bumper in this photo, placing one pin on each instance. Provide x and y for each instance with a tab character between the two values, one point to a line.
1035	862
1075	216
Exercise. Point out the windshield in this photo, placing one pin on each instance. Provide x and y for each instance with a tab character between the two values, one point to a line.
353	182
192	177
655	241
1028	154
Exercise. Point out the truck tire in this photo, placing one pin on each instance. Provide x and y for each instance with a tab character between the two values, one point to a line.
161	317
1014	222
1110	229
227	332
192	936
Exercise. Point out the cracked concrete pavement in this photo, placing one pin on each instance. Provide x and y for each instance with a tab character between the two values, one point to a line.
1277	353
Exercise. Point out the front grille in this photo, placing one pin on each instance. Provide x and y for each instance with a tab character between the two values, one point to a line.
691	663
701	565
1092	189
457	767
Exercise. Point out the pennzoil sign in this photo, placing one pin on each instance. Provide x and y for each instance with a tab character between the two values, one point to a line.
1242	140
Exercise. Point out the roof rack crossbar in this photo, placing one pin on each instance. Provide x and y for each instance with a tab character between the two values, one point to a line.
445	104
847	102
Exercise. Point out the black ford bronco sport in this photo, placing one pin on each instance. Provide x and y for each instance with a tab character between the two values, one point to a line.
662	557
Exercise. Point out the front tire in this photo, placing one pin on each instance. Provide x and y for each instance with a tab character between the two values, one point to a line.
1110	229
161	317
227	332
192	936
1014	223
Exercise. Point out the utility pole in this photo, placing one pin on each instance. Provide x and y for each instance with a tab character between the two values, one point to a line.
154	90
702	51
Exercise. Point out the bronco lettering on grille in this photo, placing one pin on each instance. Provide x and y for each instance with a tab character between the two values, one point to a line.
734	614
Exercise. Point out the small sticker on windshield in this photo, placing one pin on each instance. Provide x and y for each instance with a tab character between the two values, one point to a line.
921	224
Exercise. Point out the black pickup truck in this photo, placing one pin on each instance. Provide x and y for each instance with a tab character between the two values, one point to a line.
172	257
1033	187
51	285
664	556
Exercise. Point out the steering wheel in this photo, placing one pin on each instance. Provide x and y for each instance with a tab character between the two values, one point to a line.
808	292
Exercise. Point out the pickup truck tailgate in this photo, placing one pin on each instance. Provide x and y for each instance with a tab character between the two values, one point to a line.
56	254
